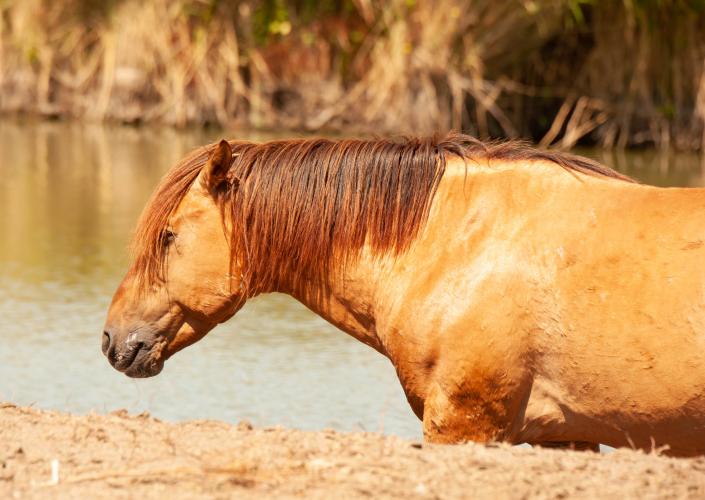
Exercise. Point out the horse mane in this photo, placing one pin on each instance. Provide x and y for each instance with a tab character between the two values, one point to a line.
294	204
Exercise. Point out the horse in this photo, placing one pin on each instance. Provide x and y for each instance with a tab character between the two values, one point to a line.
522	295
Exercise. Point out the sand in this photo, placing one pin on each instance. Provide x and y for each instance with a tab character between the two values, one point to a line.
123	456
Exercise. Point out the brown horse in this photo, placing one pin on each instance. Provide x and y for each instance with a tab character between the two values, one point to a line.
522	296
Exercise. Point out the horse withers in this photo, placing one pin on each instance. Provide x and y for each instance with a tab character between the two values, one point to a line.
522	295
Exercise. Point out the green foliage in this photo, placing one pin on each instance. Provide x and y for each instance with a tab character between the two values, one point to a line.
278	18
577	11
200	12
271	17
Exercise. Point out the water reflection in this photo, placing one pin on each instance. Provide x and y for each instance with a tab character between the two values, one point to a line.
659	168
69	198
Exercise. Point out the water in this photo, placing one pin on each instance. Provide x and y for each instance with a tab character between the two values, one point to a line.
69	198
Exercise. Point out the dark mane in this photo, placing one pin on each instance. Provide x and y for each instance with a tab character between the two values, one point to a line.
294	203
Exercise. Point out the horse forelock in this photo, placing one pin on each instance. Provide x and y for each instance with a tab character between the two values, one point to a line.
296	204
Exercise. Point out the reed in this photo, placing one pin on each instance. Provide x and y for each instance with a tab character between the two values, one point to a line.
616	73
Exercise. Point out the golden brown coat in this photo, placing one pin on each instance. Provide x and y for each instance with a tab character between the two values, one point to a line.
521	295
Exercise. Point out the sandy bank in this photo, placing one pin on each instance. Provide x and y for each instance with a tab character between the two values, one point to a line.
120	456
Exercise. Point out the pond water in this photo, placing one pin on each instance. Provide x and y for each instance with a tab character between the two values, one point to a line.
69	197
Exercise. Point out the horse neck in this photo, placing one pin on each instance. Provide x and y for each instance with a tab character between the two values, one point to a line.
358	298
350	298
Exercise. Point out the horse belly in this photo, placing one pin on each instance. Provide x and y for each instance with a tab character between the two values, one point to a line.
610	411
623	346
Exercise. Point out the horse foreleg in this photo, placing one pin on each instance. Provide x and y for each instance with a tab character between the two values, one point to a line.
450	420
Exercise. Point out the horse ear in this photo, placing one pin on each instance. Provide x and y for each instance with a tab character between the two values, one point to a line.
216	170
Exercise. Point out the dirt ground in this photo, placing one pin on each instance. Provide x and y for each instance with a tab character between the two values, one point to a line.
122	456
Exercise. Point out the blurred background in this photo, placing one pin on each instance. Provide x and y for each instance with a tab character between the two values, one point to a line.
607	72
99	98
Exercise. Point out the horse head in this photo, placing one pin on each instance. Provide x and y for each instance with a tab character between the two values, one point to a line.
159	309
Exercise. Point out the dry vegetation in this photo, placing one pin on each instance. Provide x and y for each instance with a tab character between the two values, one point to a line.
621	72
118	456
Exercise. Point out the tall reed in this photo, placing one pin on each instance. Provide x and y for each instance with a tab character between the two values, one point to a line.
618	73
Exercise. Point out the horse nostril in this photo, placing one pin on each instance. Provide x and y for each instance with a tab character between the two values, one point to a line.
106	342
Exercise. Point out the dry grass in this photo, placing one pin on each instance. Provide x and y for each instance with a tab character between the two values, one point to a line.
558	71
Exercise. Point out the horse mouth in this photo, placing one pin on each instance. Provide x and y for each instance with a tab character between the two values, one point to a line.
149	368
125	359
139	362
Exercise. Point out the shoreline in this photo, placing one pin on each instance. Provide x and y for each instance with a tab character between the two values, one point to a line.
47	454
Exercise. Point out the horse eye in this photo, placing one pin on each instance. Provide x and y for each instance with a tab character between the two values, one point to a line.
168	237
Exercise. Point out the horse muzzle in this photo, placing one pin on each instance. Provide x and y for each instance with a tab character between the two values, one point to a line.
136	356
